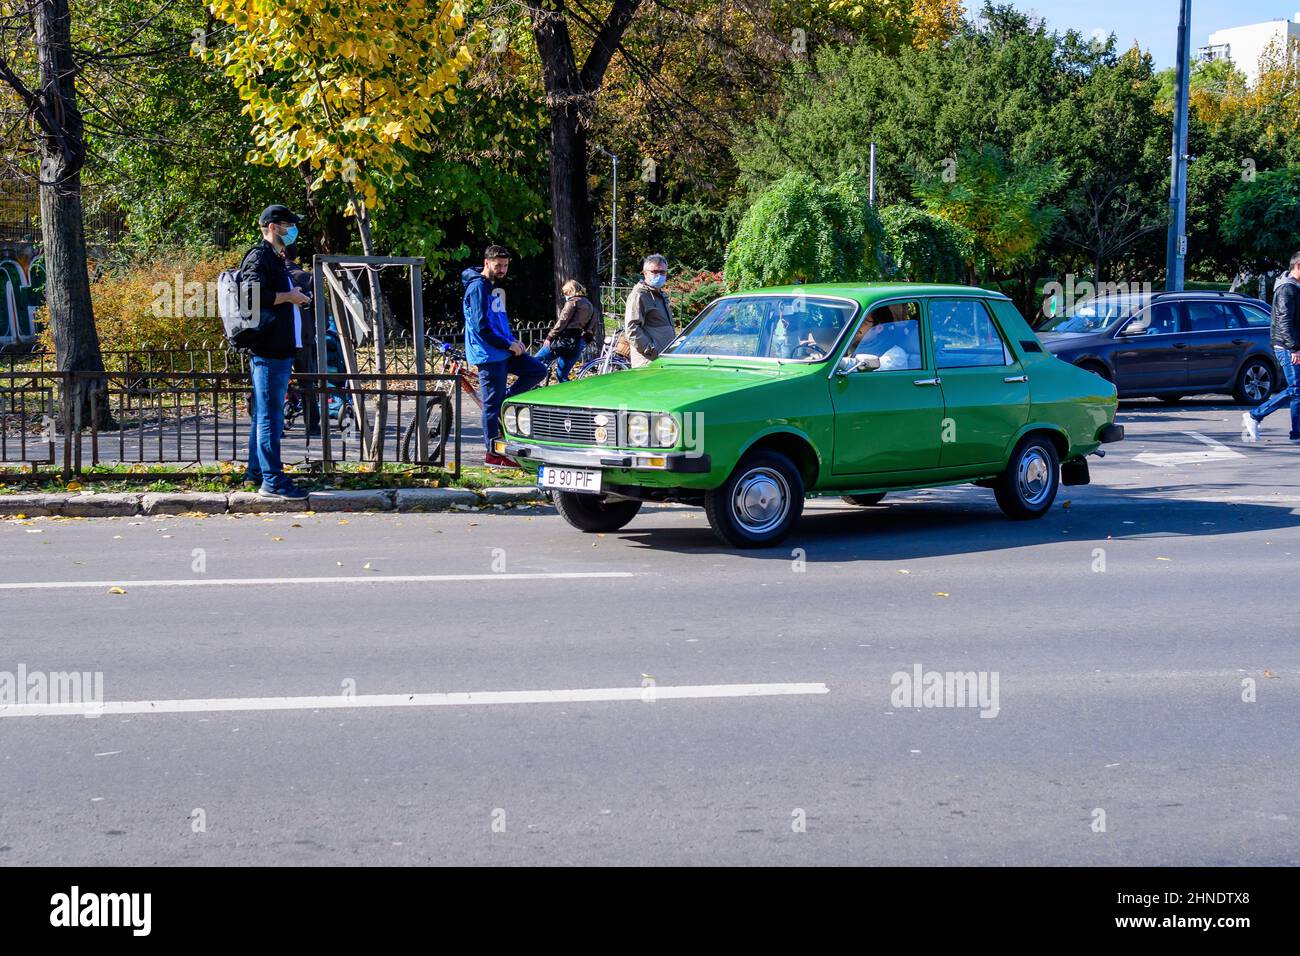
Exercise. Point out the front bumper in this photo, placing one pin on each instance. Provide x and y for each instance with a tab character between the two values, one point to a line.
675	461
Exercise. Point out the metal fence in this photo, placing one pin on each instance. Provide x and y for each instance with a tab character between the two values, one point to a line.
190	407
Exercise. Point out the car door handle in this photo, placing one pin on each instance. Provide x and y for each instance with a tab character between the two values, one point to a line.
926	381
1180	345
1016	378
1239	342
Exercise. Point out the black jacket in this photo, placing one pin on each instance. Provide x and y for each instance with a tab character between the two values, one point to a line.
264	269
1286	315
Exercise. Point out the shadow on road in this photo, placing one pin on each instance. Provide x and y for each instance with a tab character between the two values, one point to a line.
967	521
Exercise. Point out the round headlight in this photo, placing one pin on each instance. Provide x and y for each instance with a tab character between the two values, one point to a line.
638	428
511	416
665	431
525	421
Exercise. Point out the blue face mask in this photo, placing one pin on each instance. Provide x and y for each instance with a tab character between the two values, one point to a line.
290	236
656	282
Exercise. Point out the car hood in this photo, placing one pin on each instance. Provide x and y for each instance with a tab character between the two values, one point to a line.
670	384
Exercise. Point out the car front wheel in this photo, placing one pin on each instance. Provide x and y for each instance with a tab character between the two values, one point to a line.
1255	383
1028	487
594	513
759	503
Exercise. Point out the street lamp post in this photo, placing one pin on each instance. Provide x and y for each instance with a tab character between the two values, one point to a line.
613	245
1176	249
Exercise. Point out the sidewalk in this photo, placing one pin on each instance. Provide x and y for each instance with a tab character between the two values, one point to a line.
131	504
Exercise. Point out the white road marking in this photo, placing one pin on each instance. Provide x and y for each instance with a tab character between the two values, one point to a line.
199	582
1217	451
465	699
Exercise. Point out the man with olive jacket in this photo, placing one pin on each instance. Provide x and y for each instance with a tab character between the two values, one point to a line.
648	319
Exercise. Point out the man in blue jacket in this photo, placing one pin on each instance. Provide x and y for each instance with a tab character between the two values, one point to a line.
492	346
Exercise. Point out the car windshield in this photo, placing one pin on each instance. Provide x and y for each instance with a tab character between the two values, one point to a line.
799	328
1094	315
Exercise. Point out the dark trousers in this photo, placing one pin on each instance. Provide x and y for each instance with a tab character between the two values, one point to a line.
304	362
492	388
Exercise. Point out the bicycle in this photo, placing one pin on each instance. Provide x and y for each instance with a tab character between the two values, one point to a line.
616	356
440	414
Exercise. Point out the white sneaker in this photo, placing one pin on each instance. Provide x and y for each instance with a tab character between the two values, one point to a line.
1249	427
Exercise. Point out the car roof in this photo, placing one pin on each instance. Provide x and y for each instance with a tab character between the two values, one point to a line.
873	291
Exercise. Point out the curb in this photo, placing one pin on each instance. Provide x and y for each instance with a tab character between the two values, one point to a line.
132	504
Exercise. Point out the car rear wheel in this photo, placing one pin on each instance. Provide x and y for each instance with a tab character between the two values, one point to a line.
1256	382
594	513
1029	485
1096	368
759	503
865	501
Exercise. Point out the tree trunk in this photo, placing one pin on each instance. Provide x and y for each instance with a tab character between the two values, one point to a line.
333	236
63	153
571	100
572	228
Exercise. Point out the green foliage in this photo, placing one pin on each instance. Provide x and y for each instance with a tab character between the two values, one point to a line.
1263	219
1001	203
802	231
924	247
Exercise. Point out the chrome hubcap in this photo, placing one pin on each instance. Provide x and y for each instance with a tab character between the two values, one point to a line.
1035	476
761	500
1257	382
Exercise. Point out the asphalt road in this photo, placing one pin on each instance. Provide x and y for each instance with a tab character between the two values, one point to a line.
1124	630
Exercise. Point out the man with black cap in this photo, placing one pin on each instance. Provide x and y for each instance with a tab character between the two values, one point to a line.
273	347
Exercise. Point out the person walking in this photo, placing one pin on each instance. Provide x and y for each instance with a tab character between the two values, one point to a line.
272	347
491	345
1285	338
572	331
648	319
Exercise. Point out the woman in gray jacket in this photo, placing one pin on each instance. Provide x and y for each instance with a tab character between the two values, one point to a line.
573	330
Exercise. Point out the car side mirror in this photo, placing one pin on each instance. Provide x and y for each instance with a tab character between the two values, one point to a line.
1134	329
857	363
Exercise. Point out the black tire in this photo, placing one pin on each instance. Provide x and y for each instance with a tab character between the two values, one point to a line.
759	504
594	513
1096	368
1170	399
864	501
439	420
1256	381
1028	487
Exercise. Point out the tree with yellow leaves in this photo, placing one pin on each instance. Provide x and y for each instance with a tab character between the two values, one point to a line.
344	88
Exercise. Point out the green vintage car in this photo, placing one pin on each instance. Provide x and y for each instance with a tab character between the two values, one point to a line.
853	390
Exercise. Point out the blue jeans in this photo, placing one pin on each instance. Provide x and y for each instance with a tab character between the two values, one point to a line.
564	358
492	388
1289	394
270	386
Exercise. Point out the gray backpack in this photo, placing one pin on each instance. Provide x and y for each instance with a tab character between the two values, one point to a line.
237	304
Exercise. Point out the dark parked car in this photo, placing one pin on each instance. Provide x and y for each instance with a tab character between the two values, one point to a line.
1170	344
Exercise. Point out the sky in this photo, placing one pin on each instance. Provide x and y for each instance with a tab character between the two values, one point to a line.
1153	23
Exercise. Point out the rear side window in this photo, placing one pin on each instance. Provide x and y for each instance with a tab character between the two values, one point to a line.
964	335
1210	316
1255	317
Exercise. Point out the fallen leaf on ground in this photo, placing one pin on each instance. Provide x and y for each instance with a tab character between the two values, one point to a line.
116	590
940	593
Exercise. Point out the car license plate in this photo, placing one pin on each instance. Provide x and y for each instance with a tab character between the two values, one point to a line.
569	479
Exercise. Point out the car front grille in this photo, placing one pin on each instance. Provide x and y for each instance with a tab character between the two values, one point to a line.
572	425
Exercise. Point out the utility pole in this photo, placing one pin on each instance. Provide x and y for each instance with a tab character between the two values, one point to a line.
613	246
1176	249
872	194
